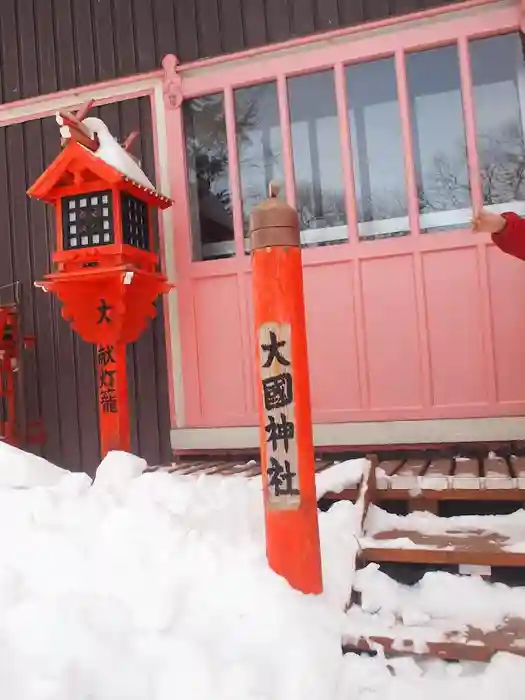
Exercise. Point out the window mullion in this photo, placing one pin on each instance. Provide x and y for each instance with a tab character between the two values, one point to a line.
287	160
408	150
470	124
233	167
346	151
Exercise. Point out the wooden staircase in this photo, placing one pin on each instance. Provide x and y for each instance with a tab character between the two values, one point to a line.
430	519
396	550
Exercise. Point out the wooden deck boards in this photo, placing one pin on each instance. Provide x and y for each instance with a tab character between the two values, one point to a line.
477	548
494	478
419	480
469	645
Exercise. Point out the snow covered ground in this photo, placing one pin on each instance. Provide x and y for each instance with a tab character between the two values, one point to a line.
155	587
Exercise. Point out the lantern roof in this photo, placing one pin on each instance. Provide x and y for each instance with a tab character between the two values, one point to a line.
92	154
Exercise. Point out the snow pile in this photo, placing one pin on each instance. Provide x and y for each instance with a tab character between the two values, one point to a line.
155	586
20	469
340	476
150	587
112	153
404	679
448	602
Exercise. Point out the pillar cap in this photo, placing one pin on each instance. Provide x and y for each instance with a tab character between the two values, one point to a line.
273	222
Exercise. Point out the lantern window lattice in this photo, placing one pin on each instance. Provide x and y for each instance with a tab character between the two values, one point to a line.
87	220
135	222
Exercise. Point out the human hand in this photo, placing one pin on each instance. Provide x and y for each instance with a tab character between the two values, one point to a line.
488	222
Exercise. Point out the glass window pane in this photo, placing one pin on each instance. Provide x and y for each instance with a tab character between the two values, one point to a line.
438	133
317	158
377	149
208	178
498	78
259	149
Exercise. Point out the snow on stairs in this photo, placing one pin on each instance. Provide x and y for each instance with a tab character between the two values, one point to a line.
225	467
457	616
424	483
423	538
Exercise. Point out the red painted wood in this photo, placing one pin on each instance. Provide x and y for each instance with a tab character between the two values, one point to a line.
115	433
292	536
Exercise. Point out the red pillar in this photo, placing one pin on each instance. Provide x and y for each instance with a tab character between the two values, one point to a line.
10	390
113	403
287	453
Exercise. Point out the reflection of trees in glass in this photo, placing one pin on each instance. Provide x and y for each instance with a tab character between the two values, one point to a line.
446	184
385	204
501	155
446	187
207	146
332	211
502	163
258	149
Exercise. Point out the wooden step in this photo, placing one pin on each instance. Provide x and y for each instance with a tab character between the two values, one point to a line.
474	550
385	471
470	645
226	467
443	615
518	467
407	476
458	479
471	540
437	475
497	474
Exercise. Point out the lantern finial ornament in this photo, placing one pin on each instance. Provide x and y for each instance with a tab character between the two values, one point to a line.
106	264
71	127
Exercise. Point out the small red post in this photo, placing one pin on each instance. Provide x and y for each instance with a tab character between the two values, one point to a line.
287	453
113	404
10	425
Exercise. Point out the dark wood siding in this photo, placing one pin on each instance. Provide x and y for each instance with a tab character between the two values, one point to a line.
60	387
49	45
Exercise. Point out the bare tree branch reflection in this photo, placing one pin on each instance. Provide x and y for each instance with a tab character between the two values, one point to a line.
208	149
501	155
502	163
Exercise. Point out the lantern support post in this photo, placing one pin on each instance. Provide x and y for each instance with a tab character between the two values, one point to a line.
113	400
286	439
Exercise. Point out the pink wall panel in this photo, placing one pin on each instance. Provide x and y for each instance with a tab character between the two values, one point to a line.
332	347
251	370
219	350
455	327
391	332
507	302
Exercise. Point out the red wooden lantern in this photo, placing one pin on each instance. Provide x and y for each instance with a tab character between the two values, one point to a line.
106	266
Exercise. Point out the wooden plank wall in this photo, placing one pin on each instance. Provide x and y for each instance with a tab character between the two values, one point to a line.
60	386
50	45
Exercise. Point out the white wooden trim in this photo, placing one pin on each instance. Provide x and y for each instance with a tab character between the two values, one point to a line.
364	433
49	104
173	326
378	227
